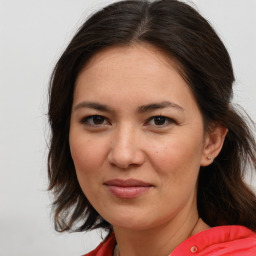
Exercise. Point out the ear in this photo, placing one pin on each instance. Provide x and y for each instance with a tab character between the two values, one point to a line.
214	140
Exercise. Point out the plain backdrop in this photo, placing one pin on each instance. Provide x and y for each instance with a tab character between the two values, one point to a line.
33	34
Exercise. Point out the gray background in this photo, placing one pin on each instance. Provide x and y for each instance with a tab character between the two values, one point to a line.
32	36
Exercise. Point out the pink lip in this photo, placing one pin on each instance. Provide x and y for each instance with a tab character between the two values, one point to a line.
127	188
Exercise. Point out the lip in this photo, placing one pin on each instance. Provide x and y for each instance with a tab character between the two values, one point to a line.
126	189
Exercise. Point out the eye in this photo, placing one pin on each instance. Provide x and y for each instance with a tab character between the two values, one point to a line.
95	120
160	121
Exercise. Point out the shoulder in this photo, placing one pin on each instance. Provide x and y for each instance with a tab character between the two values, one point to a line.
222	240
105	248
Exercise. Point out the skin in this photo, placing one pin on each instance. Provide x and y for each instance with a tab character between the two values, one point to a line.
127	141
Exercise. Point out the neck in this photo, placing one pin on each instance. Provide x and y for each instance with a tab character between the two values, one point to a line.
162	239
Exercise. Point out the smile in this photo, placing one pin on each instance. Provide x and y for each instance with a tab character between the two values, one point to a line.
127	189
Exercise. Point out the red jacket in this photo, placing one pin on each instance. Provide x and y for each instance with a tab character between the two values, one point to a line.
217	241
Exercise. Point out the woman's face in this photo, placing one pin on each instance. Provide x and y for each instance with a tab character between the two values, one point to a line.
136	138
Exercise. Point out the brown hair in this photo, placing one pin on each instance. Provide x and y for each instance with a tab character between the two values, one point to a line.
184	35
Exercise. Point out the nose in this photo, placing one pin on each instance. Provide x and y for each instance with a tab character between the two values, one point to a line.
125	149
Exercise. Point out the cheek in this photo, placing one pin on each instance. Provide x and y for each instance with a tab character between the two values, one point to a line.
178	157
87	156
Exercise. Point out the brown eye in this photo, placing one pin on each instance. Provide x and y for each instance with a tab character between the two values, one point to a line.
98	119
160	121
95	120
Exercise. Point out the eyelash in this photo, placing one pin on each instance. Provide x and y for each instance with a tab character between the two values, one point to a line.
86	120
166	120
93	118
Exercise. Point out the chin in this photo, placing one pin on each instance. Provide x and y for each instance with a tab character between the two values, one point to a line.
134	222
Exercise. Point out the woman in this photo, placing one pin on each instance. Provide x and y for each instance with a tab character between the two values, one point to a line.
145	141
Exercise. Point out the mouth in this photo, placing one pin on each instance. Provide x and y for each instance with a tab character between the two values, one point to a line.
127	189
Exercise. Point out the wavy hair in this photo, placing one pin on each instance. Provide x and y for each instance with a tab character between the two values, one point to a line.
185	36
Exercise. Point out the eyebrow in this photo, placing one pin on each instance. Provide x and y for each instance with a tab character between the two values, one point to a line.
93	105
140	109
161	105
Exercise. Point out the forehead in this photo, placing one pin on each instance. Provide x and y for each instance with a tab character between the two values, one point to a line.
145	52
134	60
129	71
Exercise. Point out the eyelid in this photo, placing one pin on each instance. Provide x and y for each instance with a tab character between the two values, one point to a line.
88	121
169	120
85	121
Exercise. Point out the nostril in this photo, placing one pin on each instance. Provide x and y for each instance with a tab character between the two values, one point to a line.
126	159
